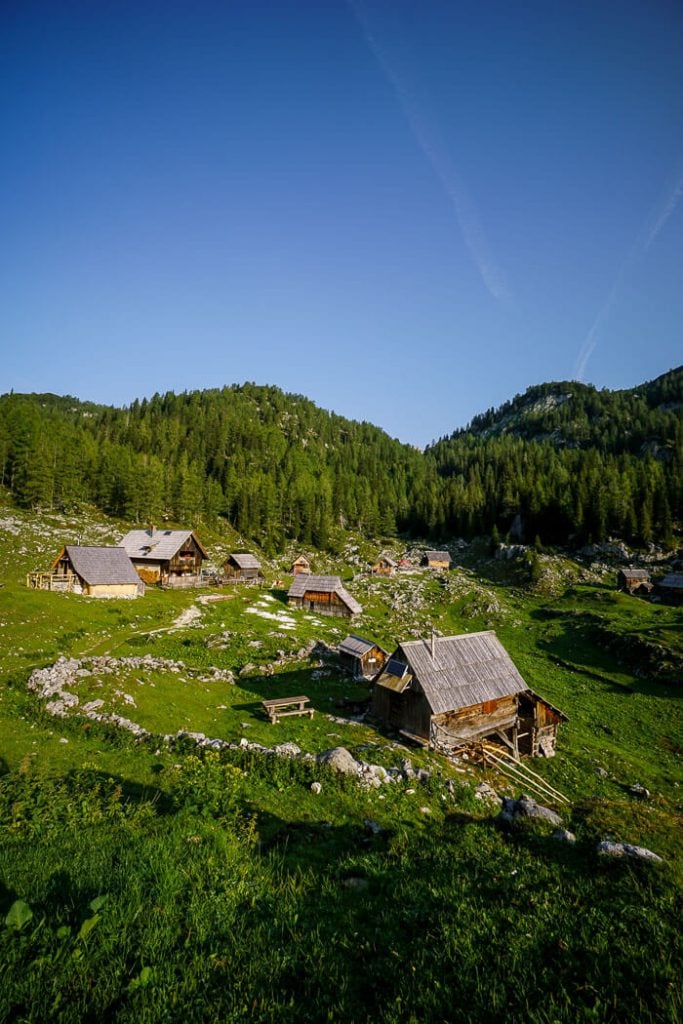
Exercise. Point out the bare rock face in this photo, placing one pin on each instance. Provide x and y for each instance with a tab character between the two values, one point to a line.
514	811
624	851
340	760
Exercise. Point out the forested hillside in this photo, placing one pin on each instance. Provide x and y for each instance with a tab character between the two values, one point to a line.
574	462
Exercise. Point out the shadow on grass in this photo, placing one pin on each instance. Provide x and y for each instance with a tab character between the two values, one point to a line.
115	787
328	691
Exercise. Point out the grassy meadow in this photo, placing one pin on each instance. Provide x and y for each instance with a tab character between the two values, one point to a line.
142	881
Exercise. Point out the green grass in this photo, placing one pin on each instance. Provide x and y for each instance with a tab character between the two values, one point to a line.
161	886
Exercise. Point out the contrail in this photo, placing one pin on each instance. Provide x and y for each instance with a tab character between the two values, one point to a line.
651	229
440	162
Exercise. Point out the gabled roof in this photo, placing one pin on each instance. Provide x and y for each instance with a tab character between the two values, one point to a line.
467	669
157	545
305	582
245	561
301	560
358	646
101	566
673	580
636	574
438	556
387	560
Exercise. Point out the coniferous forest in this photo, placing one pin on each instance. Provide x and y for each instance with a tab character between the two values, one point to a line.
576	464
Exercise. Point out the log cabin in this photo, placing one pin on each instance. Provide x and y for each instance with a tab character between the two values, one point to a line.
634	581
243	567
363	658
449	692
95	572
384	566
166	557
437	559
324	595
300	564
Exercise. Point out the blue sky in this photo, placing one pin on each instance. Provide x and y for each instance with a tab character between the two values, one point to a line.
407	211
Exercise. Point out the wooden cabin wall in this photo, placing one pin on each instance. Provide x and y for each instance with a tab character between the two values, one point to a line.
408	710
187	560
479	719
148	573
321	603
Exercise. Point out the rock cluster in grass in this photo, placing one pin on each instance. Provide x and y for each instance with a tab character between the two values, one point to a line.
53	685
513	812
624	851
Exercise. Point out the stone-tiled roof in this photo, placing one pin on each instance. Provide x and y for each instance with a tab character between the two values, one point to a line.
304	583
157	545
102	566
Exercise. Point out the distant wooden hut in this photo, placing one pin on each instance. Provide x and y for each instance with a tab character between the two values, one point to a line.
362	657
300	564
634	581
167	557
671	585
437	559
324	595
93	571
243	567
455	690
384	566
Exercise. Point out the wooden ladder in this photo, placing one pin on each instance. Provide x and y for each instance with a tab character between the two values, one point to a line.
505	763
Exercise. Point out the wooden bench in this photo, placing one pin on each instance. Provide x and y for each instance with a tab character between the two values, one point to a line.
286	706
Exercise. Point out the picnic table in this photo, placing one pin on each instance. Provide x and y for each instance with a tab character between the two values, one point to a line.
281	706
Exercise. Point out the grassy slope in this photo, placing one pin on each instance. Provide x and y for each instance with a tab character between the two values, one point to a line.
233	893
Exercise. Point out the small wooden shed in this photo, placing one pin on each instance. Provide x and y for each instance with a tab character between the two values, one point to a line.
243	567
324	595
384	566
96	572
455	690
364	658
168	557
300	564
437	559
634	581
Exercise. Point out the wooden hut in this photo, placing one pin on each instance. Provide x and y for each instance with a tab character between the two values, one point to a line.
324	595
95	571
384	566
437	559
455	690
168	557
671	585
362	657
300	564
243	568
634	581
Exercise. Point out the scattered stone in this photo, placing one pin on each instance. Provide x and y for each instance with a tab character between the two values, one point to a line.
601	772
93	705
316	788
340	760
249	667
356	883
425	810
372	827
639	791
625	851
288	749
487	794
563	835
526	808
